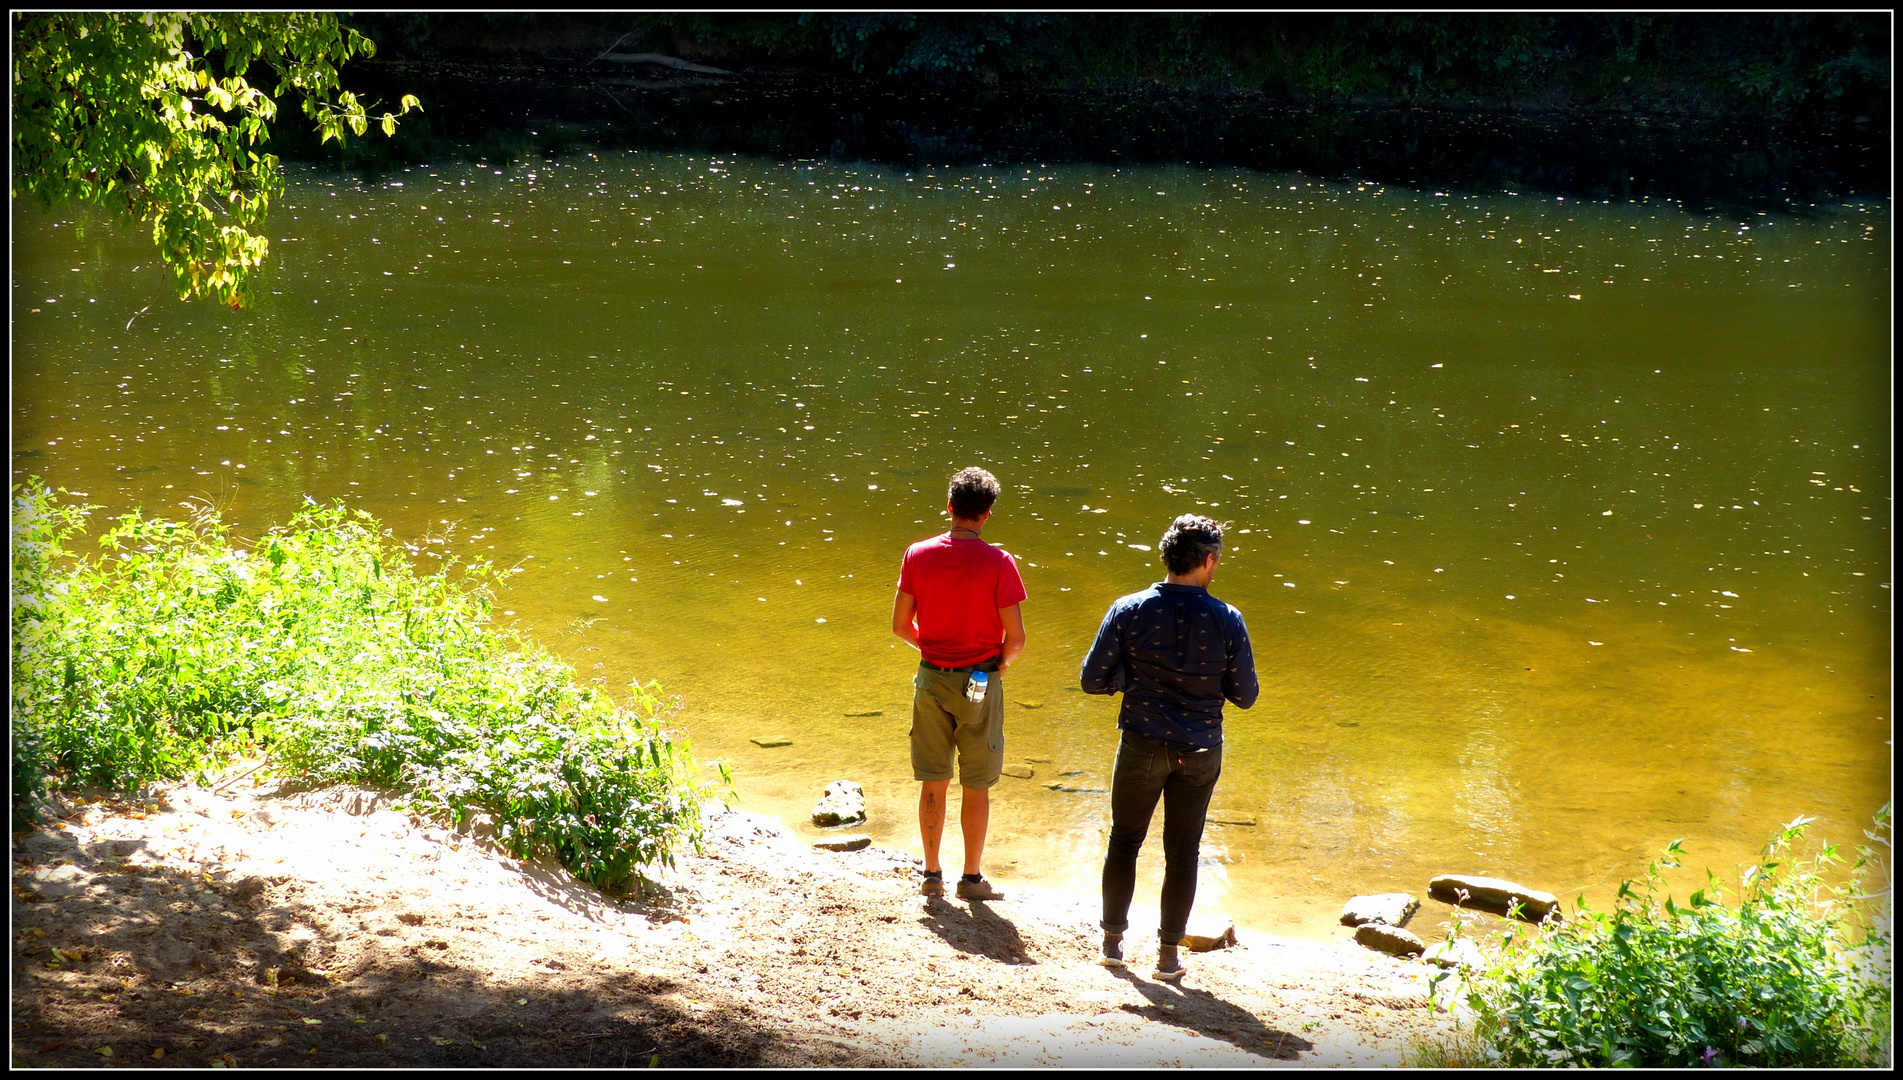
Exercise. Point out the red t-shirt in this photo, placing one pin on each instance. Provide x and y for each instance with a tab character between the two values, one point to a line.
959	586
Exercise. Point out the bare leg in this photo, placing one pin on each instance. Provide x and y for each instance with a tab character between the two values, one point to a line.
931	818
974	816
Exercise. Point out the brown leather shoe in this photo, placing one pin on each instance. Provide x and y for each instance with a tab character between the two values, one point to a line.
1169	965
932	886
977	890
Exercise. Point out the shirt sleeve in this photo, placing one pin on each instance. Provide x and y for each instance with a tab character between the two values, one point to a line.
1103	668
1238	678
1010	583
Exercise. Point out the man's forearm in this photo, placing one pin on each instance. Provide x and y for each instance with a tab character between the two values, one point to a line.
1013	646
1102	670
1013	621
905	618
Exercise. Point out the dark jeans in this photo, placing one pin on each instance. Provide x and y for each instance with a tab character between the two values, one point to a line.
1184	779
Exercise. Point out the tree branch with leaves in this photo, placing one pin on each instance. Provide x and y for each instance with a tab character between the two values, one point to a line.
154	117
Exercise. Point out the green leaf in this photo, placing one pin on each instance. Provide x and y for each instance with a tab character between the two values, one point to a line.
103	112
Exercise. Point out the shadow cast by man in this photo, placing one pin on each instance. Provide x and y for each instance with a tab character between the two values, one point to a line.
975	929
1208	1015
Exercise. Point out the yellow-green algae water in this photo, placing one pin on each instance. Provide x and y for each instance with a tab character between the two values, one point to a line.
1562	530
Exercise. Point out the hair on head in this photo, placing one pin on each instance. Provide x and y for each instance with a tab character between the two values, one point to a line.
973	491
1190	540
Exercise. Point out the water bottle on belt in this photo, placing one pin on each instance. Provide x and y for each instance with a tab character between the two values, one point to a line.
975	689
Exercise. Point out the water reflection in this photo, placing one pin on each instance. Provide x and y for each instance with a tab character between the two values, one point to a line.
1559	527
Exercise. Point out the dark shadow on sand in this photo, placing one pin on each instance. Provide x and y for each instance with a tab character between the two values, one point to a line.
157	958
974	928
1208	1015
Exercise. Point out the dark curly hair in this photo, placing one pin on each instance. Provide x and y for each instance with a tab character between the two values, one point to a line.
973	491
1189	540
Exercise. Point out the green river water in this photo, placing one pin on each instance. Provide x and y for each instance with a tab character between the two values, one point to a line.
1561	530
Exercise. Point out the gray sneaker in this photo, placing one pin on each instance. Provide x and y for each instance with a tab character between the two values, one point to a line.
1169	968
1112	955
977	890
933	885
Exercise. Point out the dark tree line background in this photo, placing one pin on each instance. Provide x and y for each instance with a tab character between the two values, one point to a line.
1780	66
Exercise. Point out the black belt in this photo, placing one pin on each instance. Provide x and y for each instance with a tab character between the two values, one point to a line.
982	665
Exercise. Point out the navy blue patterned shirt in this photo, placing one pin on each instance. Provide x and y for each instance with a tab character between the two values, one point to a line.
1176	653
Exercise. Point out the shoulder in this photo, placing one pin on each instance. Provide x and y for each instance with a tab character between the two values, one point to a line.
1132	601
930	543
1228	612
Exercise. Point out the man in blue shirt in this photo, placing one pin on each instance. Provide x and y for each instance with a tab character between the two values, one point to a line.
1176	653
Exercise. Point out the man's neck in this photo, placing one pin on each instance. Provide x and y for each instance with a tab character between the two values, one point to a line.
965	530
1196	580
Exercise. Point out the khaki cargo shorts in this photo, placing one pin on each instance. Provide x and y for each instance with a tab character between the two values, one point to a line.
944	720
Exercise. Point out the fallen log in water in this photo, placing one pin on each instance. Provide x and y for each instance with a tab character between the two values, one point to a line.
655	84
661	59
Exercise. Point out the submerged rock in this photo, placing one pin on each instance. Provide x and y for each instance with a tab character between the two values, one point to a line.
855	842
1022	772
1230	817
1389	939
1207	933
1393	908
1492	894
771	740
844	803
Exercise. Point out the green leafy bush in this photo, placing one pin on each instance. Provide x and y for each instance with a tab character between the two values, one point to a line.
151	116
322	643
1797	974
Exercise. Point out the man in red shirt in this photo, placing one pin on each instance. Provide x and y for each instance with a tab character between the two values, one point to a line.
957	605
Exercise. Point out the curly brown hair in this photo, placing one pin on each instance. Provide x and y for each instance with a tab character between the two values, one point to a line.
973	491
1189	540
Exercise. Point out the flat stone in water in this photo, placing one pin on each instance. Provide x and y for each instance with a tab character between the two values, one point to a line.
1022	772
871	712
1492	894
855	842
771	741
1388	939
1230	817
1392	908
1028	704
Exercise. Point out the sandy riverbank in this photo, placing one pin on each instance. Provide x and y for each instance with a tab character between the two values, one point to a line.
262	926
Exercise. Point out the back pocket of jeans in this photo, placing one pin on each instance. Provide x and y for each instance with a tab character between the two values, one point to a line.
1131	759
